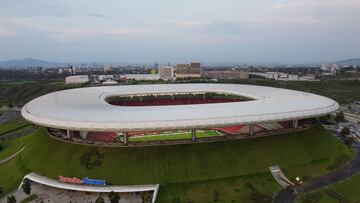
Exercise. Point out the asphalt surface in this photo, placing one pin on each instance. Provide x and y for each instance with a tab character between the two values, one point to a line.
9	115
350	169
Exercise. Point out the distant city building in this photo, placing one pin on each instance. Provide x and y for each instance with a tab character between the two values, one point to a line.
195	70
153	71
77	79
284	76
105	77
142	76
192	70
73	70
225	75
166	72
106	68
110	82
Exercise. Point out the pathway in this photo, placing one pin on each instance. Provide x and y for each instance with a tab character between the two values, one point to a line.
11	156
350	169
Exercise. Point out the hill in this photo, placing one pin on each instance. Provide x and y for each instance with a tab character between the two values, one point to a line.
349	62
233	169
27	62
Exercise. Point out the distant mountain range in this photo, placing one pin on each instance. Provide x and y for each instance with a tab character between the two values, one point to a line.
349	62
23	63
28	62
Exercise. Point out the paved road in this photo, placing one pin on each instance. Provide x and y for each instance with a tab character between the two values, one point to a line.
350	169
9	115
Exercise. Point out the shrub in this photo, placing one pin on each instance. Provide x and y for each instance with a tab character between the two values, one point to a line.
29	198
11	199
345	131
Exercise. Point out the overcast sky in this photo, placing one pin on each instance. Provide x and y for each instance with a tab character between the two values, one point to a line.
139	31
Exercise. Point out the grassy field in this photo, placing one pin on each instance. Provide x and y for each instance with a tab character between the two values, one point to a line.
174	136
347	190
17	93
13	125
342	91
198	172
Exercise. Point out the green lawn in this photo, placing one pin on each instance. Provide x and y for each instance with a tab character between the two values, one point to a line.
174	136
190	172
13	125
348	189
17	93
343	91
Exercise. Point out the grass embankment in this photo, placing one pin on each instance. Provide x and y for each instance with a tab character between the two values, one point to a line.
345	191
14	126
229	170
174	136
343	91
17	93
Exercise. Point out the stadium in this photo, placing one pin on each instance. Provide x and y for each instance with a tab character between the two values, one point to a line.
143	115
171	143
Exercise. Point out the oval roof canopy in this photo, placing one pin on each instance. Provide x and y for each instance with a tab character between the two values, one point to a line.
86	109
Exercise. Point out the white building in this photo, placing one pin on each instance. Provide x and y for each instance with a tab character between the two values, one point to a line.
110	82
77	79
166	72
105	77
142	76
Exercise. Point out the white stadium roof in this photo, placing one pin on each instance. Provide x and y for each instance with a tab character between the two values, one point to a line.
86	109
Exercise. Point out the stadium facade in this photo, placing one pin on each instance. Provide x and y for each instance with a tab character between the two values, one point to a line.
99	115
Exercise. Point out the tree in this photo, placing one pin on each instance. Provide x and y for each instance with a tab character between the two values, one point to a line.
340	117
114	197
11	199
1	147
345	131
100	199
10	104
26	186
1	192
349	141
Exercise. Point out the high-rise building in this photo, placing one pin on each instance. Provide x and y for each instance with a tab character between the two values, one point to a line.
188	70
195	71
166	72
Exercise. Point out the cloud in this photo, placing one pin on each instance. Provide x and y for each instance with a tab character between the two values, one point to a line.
7	33
278	7
96	15
76	33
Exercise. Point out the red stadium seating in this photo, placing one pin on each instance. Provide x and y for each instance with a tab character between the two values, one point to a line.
177	101
232	130
102	136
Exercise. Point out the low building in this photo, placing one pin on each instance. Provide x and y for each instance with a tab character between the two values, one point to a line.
110	82
77	79
225	75
105	77
142	76
166	72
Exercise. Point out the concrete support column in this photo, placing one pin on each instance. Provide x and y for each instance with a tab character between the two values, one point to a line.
295	123
193	134
84	134
125	137
251	130
68	133
173	97
141	99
